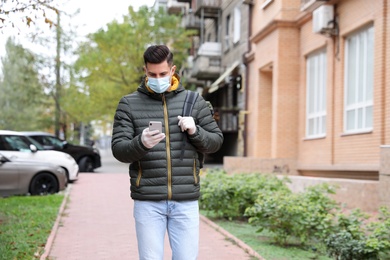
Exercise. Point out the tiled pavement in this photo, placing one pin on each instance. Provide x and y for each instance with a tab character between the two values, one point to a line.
96	222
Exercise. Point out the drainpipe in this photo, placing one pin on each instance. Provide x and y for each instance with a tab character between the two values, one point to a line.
384	71
336	48
250	6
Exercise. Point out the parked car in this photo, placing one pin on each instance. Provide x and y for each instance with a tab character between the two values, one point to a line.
22	176
16	145
87	157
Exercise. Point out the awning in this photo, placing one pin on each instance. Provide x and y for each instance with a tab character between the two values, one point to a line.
214	87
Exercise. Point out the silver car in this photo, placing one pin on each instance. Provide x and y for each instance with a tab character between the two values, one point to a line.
23	176
16	145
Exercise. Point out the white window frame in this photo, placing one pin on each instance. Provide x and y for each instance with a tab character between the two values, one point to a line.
237	25
227	31
359	81
316	80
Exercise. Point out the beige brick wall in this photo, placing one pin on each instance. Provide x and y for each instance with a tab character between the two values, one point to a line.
259	102
386	70
355	15
277	86
233	165
281	39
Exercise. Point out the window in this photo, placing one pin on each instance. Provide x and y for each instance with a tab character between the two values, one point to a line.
359	64
237	24
16	143
50	141
316	94
227	33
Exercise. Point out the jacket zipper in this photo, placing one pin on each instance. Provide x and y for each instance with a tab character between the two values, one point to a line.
167	147
194	172
139	174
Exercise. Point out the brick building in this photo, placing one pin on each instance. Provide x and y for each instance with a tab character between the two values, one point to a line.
317	93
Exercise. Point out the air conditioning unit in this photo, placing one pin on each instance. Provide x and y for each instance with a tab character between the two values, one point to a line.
323	19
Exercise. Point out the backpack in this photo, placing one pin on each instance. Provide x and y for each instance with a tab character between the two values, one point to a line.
188	105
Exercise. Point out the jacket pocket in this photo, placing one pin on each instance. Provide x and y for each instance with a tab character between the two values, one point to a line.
138	182
195	172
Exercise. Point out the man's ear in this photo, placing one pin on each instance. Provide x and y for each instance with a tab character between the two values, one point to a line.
145	69
173	69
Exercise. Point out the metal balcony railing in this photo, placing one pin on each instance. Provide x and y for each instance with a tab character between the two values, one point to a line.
191	22
207	62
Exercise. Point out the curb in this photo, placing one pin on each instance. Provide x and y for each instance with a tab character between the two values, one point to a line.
235	240
53	233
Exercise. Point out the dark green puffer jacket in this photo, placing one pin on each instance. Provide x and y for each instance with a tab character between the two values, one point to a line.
159	173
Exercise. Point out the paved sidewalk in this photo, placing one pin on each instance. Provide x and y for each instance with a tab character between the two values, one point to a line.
96	222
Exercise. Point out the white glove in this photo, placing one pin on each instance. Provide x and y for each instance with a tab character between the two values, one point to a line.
187	123
151	138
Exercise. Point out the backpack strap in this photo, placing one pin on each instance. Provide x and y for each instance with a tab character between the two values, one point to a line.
189	102
188	105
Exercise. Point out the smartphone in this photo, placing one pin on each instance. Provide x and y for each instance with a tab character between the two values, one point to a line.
155	125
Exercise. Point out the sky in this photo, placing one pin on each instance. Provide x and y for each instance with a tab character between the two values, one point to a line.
93	16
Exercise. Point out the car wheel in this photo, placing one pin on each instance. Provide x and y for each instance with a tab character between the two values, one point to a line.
44	183
86	165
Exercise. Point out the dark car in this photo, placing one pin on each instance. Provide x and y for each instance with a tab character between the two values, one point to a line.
87	157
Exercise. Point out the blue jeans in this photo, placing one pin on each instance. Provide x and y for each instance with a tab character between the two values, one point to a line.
179	218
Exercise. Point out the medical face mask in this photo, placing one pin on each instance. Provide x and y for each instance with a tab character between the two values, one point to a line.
159	85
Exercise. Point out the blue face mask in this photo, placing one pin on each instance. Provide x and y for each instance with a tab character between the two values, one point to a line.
159	85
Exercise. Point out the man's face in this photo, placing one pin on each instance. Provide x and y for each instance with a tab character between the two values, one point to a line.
159	70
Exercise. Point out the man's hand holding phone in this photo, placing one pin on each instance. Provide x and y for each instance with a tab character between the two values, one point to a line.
152	135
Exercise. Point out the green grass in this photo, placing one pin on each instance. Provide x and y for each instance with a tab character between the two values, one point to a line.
25	224
263	244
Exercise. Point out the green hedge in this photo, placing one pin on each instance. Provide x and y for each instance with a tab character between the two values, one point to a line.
268	204
228	196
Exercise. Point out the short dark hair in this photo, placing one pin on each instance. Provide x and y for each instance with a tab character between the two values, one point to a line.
157	54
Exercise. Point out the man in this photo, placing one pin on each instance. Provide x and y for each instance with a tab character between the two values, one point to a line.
164	166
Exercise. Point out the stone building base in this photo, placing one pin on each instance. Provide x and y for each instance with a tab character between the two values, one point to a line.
366	195
384	177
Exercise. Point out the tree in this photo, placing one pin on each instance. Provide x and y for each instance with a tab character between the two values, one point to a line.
110	63
25	11
24	105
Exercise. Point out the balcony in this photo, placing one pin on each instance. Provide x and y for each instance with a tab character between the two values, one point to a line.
207	63
191	22
310	5
174	7
208	8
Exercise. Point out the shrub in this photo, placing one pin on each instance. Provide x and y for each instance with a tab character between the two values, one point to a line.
228	196
306	215
358	239
310	215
